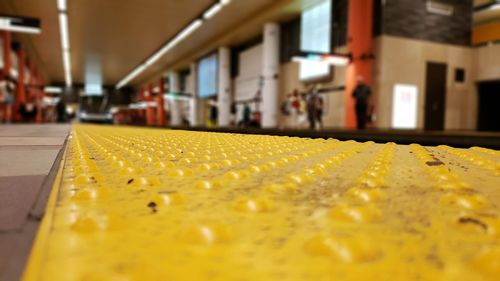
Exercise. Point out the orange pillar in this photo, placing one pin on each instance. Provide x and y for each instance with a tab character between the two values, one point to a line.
29	81
21	90
360	43
6	38
150	110
142	94
36	86
161	104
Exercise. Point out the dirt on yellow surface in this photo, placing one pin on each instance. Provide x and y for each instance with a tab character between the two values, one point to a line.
148	204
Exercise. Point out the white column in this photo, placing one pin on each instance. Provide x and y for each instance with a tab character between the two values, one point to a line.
194	119
270	72
175	106
224	94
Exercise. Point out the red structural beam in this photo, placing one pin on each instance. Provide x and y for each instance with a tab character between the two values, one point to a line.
37	85
150	110
161	103
6	39
21	89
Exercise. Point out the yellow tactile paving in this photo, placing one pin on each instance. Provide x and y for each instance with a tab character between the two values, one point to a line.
145	204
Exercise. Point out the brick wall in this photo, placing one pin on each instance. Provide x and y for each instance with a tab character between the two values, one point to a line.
410	19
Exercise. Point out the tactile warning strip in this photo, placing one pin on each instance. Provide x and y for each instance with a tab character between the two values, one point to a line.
146	204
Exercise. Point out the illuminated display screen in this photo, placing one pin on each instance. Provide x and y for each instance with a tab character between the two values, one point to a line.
316	37
207	76
310	70
316	28
404	107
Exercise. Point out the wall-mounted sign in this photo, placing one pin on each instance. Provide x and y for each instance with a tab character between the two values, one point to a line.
315	36
19	24
404	106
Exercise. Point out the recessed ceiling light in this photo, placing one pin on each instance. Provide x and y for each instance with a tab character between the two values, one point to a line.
63	26
67	68
495	6
52	90
61	5
178	38
212	11
64	33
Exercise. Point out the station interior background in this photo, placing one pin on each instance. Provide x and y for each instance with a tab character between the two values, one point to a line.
435	64
238	77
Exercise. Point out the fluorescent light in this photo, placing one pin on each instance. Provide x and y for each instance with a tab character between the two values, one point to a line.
69	80
299	59
172	43
158	55
93	89
64	32
212	11
66	60
131	76
32	30
61	5
63	26
495	6
336	60
333	60
67	68
52	90
176	97
187	31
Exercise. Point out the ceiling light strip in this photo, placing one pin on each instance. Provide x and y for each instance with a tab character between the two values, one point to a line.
61	5
23	29
192	27
64	33
212	11
63	26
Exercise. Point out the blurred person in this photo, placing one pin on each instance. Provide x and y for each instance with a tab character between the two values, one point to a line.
3	95
295	108
6	99
312	100
28	111
361	94
62	115
285	109
257	100
286	105
214	112
185	120
256	120
301	111
319	112
233	114
247	115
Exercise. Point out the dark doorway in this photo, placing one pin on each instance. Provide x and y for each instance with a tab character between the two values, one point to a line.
435	96
488	106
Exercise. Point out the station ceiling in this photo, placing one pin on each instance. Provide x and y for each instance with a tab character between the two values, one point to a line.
118	35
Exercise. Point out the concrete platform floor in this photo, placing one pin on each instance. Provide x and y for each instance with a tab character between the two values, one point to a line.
27	155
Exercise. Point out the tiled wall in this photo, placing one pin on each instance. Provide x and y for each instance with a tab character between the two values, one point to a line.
409	67
410	19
